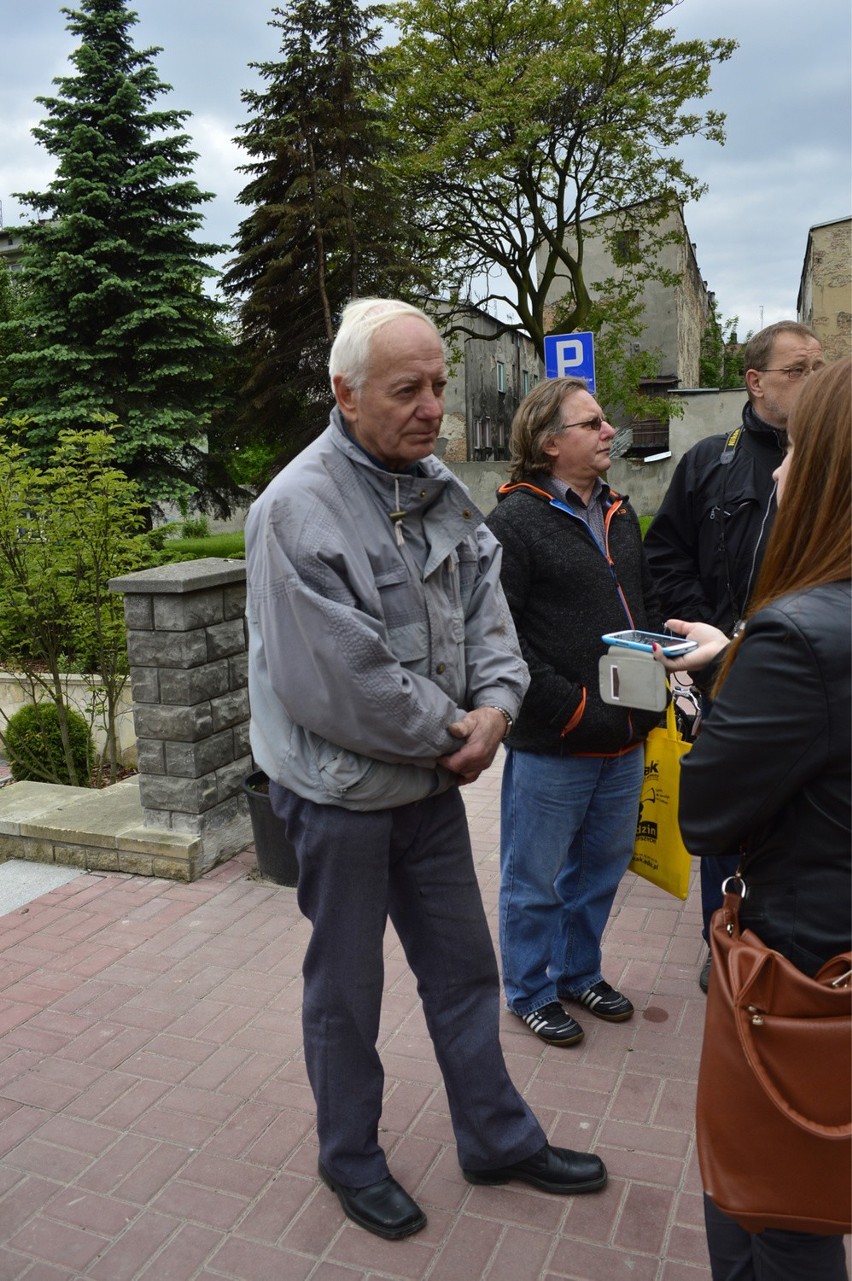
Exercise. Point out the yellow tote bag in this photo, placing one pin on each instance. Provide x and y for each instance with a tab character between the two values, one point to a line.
660	855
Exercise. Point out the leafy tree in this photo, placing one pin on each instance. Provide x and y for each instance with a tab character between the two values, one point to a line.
65	530
721	363
327	222
520	118
118	320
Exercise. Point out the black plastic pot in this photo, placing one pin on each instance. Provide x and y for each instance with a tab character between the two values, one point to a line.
276	858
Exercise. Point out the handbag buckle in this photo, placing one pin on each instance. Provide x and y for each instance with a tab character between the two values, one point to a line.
842	980
734	885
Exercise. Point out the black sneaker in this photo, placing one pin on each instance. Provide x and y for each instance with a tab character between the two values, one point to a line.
553	1025
605	1003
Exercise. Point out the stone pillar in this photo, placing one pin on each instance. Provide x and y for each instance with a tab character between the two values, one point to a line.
188	671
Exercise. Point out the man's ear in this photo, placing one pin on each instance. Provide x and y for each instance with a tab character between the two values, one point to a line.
754	384
346	398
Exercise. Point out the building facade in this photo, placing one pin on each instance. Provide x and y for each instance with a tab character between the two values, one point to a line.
11	249
490	373
825	289
675	310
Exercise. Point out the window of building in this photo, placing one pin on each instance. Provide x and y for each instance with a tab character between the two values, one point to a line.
482	439
501	376
526	381
626	247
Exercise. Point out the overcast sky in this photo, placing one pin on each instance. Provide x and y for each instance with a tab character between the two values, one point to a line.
786	92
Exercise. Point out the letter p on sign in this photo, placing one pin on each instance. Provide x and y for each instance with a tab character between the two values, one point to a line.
570	356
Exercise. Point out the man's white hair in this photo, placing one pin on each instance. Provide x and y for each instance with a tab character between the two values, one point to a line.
361	321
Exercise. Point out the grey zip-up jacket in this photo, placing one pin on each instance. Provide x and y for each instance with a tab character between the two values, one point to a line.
363	646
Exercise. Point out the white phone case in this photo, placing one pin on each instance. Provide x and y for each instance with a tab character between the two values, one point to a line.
632	678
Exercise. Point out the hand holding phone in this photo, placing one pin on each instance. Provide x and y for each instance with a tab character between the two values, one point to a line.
709	642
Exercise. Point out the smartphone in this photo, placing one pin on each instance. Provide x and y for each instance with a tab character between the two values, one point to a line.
671	646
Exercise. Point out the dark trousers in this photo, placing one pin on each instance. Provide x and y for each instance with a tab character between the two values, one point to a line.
737	1255
413	865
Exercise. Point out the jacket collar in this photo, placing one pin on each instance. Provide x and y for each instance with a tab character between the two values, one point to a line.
761	430
608	495
429	492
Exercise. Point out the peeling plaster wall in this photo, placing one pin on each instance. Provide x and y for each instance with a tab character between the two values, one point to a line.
825	293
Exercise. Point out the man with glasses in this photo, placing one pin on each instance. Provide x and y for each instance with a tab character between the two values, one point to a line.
573	569
706	543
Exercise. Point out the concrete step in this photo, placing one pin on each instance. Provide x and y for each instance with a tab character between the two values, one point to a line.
98	829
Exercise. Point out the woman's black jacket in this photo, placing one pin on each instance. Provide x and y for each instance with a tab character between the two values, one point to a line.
771	772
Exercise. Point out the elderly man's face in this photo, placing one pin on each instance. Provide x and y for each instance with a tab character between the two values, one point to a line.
773	391
397	414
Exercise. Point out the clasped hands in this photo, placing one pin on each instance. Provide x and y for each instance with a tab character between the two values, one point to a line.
482	732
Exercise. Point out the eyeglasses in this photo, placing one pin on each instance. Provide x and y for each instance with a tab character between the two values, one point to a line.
590	424
795	372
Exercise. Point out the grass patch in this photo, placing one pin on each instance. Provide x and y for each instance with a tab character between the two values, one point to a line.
644	522
225	545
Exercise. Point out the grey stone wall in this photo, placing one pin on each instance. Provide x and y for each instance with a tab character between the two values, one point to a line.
188	671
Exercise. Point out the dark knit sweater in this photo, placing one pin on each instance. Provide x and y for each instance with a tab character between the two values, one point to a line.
565	591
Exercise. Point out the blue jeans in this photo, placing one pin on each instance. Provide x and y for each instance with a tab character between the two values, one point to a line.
568	825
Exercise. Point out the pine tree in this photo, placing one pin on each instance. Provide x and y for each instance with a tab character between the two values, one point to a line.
327	223
12	330
118	320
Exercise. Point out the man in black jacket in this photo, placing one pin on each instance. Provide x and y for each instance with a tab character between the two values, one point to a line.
573	569
706	543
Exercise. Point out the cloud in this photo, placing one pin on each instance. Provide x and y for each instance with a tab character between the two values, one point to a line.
785	167
786	163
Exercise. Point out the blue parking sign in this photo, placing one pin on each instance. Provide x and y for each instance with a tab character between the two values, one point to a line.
570	356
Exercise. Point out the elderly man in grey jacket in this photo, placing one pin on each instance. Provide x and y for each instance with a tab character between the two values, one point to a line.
384	672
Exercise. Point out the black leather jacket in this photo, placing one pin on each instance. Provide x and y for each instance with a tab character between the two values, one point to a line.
771	771
706	542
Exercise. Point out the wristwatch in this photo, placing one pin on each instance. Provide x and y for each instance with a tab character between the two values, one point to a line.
510	720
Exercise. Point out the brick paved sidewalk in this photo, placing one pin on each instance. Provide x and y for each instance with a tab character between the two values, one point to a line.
156	1123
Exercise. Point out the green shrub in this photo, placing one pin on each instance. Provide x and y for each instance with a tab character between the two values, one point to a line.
197	527
34	745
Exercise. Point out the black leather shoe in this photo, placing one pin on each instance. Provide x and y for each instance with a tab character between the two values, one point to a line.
557	1170
384	1208
704	976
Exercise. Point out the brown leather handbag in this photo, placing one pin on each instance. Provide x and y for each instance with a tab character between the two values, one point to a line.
774	1117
